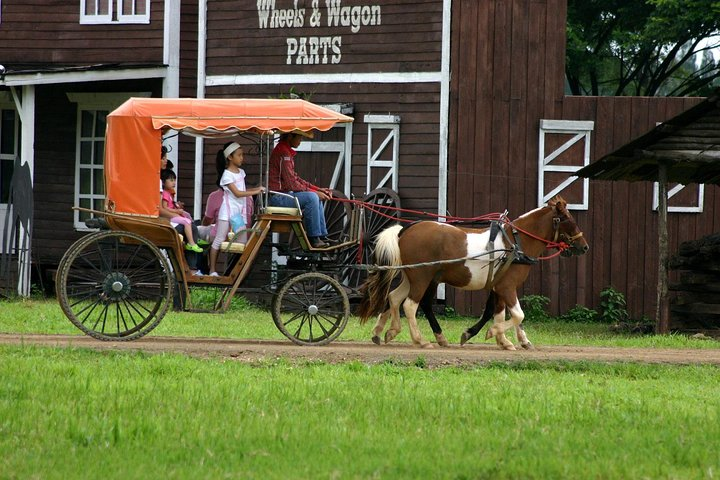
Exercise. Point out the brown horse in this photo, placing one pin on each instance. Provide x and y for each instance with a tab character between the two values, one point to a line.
497	259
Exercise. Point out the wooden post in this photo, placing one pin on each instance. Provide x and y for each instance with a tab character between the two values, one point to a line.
662	325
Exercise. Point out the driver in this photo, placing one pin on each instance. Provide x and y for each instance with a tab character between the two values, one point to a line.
283	178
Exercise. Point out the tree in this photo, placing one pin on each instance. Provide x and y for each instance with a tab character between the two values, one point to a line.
642	47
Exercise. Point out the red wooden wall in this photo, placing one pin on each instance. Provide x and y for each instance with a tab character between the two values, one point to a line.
507	75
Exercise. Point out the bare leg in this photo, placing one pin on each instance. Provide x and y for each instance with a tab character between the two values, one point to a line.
213	259
189	239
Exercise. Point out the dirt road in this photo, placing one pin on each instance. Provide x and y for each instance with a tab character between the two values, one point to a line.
339	351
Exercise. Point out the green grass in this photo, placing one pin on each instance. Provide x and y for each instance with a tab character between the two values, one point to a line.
78	414
73	413
246	322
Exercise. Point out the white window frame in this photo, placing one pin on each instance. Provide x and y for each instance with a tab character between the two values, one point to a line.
582	130
92	102
91	166
390	126
680	208
6	103
114	15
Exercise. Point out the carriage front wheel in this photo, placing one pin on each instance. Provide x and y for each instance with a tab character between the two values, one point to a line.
114	285
311	309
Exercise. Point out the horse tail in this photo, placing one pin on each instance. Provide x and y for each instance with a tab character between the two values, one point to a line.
377	286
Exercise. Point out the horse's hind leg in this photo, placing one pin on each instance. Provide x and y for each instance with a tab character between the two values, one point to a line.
395	298
380	326
410	307
426	307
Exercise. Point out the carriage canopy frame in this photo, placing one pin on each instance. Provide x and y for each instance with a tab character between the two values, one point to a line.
135	129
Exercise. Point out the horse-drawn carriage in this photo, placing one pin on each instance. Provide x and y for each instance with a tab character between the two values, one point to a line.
118	282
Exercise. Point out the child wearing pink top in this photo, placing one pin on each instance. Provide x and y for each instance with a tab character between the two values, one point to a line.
170	209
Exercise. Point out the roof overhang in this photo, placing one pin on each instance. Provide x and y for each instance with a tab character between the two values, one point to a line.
687	147
51	74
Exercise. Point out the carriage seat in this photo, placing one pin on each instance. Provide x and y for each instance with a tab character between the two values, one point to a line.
232	247
283	211
294	211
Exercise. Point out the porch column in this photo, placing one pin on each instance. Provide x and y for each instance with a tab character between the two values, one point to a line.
25	106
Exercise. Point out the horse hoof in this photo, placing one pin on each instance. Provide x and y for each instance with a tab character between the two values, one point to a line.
510	347
528	346
464	338
376	340
444	343
426	345
441	340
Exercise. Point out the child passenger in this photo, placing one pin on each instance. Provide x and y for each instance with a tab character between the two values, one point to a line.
231	177
170	209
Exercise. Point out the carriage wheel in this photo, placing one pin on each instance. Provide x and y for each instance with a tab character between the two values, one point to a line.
337	217
114	285
311	309
373	224
337	220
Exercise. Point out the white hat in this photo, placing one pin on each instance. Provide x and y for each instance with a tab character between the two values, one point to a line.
230	149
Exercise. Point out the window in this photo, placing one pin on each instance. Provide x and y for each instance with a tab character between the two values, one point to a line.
114	11
90	154
9	126
564	148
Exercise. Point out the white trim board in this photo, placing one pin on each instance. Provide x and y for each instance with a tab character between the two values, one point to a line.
49	78
380	77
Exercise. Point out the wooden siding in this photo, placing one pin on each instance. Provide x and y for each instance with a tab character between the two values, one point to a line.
54	177
416	104
407	38
508	61
38	31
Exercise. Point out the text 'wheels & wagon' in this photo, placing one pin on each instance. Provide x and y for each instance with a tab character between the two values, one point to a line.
311	309
114	285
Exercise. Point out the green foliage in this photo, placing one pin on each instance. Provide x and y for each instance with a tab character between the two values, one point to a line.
534	307
642	47
579	314
614	306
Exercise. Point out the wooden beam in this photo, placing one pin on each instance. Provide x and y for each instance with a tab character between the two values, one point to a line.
662	313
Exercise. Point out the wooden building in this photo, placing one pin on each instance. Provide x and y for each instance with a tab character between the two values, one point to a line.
458	104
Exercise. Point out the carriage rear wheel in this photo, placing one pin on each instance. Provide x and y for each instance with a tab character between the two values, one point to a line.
114	285
383	213
311	309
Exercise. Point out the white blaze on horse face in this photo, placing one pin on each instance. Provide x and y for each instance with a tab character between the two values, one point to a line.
477	244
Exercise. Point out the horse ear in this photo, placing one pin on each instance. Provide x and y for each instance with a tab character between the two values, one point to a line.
558	203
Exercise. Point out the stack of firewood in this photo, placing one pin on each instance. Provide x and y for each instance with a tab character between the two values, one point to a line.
695	302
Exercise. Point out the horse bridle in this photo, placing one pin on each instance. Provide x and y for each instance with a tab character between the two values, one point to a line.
564	237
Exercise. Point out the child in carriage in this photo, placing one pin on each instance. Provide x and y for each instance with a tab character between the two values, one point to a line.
170	209
233	210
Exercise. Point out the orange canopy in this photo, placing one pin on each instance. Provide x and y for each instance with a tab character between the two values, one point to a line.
134	136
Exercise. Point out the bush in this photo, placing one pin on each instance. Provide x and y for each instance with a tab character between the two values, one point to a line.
579	314
614	306
534	307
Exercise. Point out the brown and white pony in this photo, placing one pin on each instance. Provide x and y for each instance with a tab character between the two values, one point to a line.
469	260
